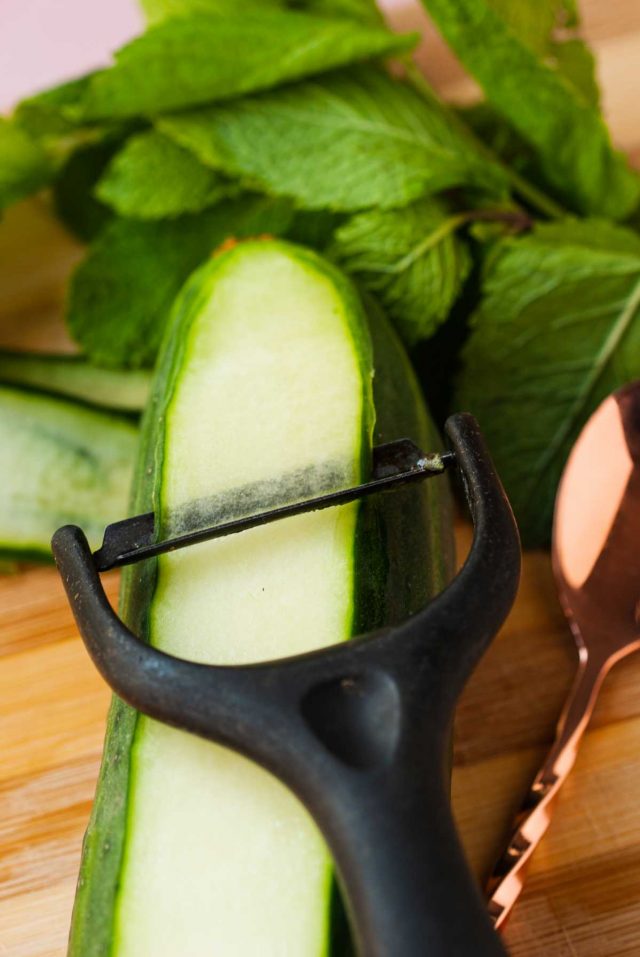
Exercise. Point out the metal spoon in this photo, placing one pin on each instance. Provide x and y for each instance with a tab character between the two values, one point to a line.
596	562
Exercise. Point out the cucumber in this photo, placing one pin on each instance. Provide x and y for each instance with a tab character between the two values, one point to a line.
61	462
264	393
73	376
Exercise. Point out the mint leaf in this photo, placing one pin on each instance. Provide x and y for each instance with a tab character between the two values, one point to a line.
121	294
157	10
557	330
314	227
345	141
571	140
549	29
191	60
411	259
532	21
570	14
575	61
598	235
500	137
73	188
24	165
53	113
154	178
365	10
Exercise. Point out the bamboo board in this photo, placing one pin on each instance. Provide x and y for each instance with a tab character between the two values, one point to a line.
583	891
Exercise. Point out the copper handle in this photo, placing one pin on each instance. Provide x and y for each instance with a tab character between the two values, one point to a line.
531	822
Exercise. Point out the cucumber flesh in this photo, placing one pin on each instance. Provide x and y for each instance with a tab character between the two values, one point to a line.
73	376
263	394
61	463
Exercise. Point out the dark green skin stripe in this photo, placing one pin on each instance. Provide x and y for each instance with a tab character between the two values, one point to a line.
404	554
408	535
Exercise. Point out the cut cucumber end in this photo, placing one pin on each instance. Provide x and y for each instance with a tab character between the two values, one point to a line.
62	463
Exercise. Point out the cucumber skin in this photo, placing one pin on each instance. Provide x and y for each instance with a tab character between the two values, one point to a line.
414	525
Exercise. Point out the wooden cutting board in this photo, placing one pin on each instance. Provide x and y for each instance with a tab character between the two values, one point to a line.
583	891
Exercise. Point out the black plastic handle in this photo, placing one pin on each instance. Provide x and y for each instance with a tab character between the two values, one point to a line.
360	731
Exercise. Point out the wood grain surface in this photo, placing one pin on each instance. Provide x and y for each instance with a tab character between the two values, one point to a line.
583	890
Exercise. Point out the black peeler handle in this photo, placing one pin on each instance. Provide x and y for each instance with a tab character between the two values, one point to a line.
360	731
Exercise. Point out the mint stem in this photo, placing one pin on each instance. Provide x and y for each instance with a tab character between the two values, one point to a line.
518	218
534	196
526	190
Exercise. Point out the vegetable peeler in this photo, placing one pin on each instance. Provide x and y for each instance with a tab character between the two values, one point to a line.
360	731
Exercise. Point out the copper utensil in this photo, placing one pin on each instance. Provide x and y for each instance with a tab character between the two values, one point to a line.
596	562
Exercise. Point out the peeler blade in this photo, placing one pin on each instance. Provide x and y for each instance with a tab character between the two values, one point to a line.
393	464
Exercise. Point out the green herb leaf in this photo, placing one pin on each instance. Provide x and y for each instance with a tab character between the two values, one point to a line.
598	235
365	10
121	294
346	141
53	113
78	153
154	178
548	28
411	259
314	228
157	10
191	60
569	137
557	330
24	165
575	61
73	187
532	21
500	137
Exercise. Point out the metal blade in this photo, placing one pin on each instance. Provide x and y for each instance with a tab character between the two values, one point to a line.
394	464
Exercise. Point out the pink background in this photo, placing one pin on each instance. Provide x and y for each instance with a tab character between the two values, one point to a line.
45	41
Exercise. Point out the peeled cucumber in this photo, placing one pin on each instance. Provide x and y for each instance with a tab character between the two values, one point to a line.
273	384
61	462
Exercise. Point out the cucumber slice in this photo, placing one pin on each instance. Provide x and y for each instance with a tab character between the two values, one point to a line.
263	394
73	376
61	463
